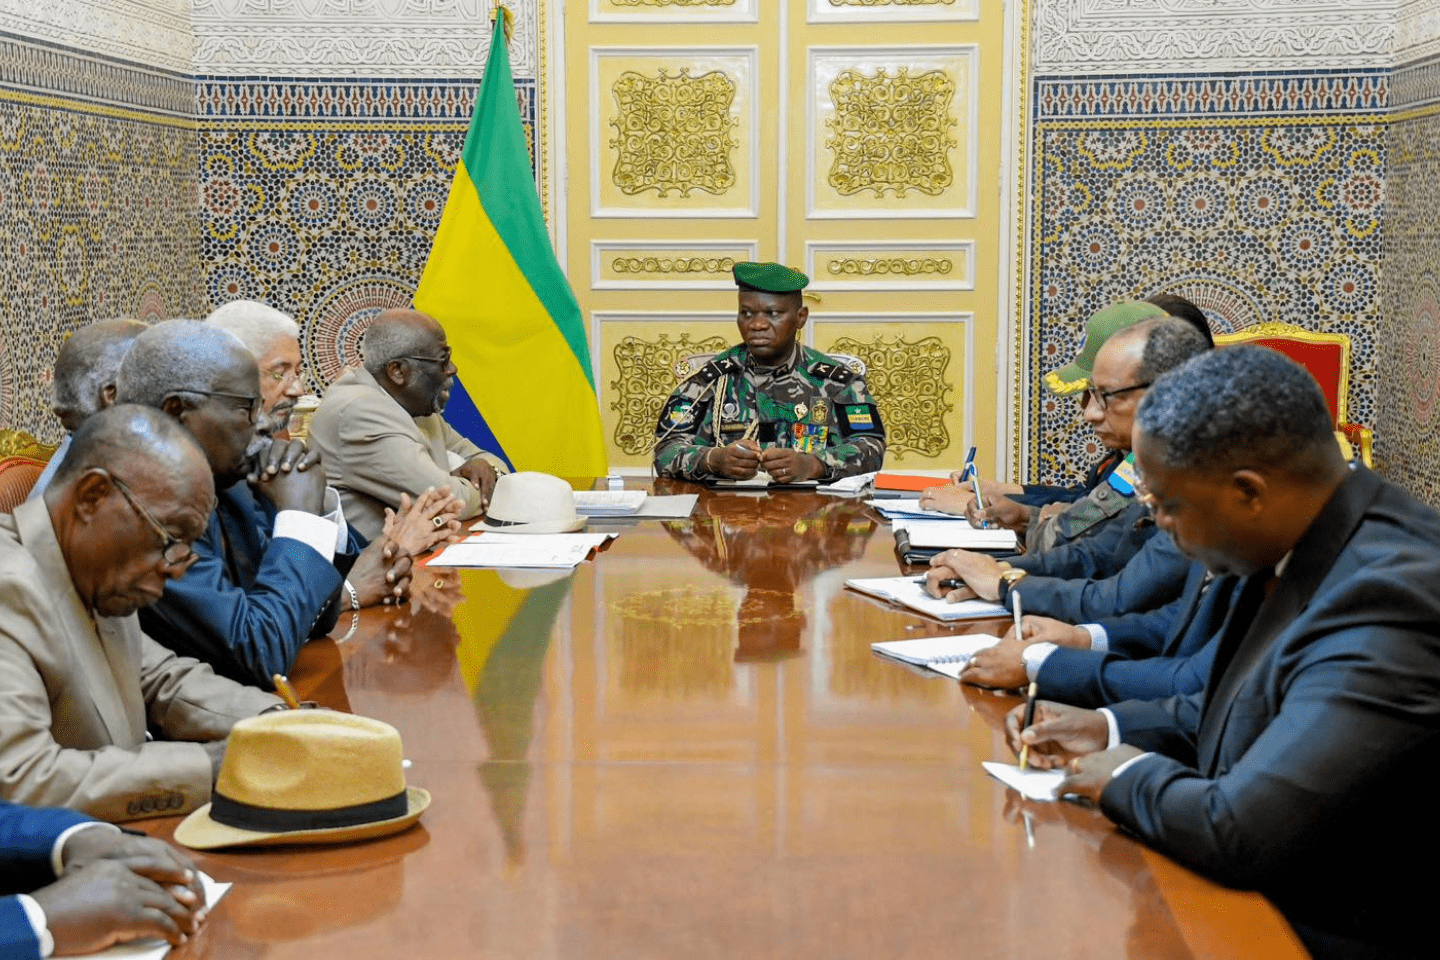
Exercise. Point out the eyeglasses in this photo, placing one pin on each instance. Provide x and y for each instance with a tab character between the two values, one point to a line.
174	551
1103	397
443	359
251	403
284	373
1145	497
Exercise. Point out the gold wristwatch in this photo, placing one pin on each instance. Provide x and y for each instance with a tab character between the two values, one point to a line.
1012	576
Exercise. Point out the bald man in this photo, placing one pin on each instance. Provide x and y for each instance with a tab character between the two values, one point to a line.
80	683
85	371
379	429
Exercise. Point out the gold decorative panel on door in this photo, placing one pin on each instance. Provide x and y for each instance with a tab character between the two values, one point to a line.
857	140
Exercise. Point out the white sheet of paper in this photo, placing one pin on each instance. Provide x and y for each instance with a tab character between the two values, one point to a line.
909	593
949	535
1031	784
676	506
851	485
156	949
556	551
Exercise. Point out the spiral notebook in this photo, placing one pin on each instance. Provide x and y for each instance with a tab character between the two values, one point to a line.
943	655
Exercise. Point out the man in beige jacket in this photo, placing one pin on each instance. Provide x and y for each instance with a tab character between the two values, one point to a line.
80	684
379	429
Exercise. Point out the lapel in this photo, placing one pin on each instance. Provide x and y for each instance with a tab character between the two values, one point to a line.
1199	594
1244	645
243	528
98	647
426	430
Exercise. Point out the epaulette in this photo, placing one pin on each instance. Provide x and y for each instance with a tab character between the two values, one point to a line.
826	370
713	370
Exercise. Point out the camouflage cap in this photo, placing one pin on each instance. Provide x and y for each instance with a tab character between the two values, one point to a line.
769	278
1075	375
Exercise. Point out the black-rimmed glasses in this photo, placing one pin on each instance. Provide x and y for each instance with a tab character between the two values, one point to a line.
251	403
1103	397
174	551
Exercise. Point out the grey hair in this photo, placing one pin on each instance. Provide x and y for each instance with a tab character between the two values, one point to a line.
128	433
1241	406
1169	342
174	357
257	325
386	339
87	363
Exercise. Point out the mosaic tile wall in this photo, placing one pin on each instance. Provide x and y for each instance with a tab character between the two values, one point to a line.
1407	431
98	210
1258	196
322	198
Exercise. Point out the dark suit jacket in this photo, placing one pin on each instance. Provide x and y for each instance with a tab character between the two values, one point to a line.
251	601
1038	494
1152	578
26	836
1291	772
1134	668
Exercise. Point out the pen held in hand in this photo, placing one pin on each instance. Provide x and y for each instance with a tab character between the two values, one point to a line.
950	584
286	692
1029	719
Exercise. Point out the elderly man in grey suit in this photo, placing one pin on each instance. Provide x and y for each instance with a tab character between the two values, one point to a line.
379	429
1323	703
80	684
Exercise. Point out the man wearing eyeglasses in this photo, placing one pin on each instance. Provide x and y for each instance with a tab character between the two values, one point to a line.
277	562
380	432
273	339
80	683
1124	369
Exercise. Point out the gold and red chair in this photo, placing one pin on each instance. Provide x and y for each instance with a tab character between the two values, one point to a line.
1326	356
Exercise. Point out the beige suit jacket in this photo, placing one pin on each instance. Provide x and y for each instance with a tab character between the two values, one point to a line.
373	451
77	694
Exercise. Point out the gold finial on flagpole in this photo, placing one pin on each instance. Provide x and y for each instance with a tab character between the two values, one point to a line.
502	10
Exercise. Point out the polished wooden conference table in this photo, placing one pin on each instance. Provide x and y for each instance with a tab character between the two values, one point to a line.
686	749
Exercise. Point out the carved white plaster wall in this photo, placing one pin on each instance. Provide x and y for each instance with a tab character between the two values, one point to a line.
1132	36
1417	33
156	33
356	38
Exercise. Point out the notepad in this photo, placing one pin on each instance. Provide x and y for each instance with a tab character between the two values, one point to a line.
943	655
1031	784
949	535
910	592
903	509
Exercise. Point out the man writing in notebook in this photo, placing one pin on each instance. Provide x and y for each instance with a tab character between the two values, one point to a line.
1284	772
770	404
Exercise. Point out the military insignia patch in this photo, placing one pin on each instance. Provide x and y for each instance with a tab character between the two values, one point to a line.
679	414
820	413
808	437
860	418
831	371
1123	477
800	410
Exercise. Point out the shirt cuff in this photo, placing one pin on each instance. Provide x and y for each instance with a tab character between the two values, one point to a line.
1128	764
1099	639
36	916
318	533
1114	726
57	849
1034	657
335	513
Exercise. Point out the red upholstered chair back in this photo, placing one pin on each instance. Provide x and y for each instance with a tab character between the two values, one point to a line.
17	477
1325	355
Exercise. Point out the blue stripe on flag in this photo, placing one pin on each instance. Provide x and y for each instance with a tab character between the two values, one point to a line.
462	414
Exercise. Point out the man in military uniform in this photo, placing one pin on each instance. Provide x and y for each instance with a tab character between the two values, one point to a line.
770	404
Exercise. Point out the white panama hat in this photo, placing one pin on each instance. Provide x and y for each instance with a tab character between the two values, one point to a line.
530	502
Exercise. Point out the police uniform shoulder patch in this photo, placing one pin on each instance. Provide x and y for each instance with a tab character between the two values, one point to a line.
716	368
857	418
836	372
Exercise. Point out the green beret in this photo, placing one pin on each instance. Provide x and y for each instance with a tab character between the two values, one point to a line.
769	278
1075	375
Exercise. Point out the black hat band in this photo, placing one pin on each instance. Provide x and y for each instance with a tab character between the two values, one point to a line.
244	816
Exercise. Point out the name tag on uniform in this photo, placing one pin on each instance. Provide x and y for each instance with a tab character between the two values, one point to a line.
1124	476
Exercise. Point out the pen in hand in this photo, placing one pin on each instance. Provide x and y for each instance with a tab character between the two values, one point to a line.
951	584
1029	719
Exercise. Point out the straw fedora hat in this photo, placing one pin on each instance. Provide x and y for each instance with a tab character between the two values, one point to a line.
529	502
306	776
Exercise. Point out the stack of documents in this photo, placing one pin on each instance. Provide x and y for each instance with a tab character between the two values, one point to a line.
943	655
608	503
554	551
911	510
948	535
910	592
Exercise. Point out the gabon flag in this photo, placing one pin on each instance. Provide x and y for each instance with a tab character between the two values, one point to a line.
492	281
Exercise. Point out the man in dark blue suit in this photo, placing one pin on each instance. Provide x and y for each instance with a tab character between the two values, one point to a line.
71	885
277	562
1285	773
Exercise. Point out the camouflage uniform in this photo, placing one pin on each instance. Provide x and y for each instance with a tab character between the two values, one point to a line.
1108	500
809	403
